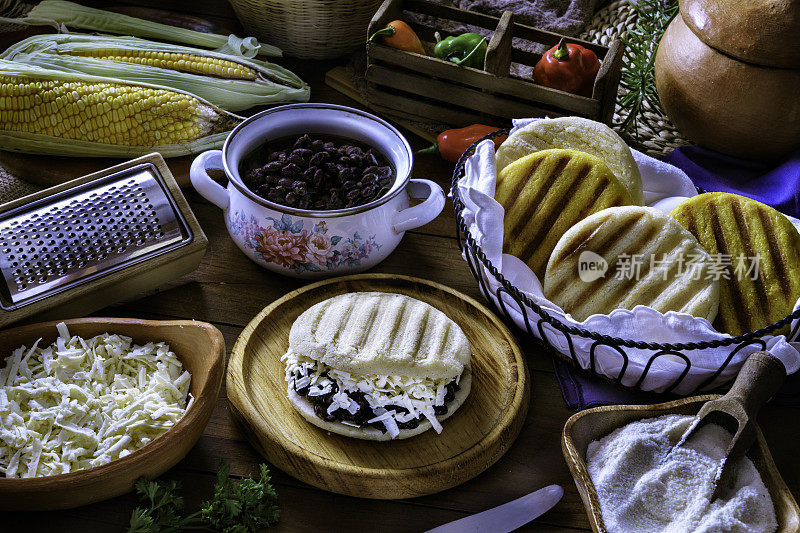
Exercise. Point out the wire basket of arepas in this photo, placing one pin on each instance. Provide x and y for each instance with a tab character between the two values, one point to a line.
614	261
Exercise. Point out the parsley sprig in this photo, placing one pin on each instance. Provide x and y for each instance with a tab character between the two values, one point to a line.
242	507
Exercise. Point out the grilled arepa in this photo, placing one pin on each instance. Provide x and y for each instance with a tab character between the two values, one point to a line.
578	134
545	193
622	257
754	241
377	366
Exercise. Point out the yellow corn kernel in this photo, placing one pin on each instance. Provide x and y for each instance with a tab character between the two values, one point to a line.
103	112
182	62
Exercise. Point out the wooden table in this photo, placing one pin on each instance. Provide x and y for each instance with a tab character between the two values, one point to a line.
228	290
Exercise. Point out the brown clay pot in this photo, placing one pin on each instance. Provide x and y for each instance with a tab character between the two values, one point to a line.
718	101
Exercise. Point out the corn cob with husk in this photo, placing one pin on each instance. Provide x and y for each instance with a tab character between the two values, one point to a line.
233	83
62	14
59	113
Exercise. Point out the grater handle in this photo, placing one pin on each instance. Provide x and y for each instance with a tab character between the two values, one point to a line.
202	182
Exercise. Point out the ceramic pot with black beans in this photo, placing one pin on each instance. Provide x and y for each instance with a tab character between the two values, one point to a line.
316	190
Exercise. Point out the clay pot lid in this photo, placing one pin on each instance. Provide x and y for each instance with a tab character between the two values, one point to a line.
763	32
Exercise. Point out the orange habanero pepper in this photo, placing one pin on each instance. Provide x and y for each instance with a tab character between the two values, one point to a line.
398	34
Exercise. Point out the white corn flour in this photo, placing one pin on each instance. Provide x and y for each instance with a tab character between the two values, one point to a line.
645	488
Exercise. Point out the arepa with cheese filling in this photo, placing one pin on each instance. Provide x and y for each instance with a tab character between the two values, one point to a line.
761	251
642	256
377	366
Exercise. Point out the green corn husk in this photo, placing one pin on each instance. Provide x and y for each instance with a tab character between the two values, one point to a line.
62	14
273	84
20	87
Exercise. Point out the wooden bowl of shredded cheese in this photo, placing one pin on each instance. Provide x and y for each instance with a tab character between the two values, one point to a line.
89	405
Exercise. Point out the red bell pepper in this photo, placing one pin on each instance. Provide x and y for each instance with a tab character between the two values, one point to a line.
568	67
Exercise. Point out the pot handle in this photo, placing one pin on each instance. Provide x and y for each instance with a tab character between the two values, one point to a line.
420	214
202	182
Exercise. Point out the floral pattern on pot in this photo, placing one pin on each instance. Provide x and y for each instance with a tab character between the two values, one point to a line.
288	243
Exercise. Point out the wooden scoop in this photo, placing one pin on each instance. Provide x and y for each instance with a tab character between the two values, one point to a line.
759	379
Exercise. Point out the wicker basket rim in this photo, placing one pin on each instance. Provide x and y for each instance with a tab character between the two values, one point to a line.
458	205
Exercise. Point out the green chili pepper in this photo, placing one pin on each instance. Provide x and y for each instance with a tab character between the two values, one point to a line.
467	49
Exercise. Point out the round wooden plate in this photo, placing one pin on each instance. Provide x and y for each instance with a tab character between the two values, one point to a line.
476	436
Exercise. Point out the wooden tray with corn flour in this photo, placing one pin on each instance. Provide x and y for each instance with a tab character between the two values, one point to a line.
379	386
610	240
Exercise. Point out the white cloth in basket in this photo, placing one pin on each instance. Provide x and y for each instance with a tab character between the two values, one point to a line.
664	187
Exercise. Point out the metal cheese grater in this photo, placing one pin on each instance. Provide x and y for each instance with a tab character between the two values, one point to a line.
102	238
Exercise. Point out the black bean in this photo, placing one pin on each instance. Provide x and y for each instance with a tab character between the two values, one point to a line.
318	178
272	179
291	170
347	174
274	166
369	191
285	182
353	195
411	424
349	185
308	174
291	198
319	158
276	156
303	141
297	160
440	410
317	145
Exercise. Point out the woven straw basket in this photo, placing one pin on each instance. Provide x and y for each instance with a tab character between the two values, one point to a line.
308	29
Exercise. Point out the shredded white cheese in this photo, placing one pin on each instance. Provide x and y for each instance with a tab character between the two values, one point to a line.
82	403
418	395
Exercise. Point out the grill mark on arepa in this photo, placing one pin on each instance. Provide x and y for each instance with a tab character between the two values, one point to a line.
737	299
422	331
554	214
782	274
628	224
343	319
580	242
519	185
743	230
534	204
367	330
628	284
579	239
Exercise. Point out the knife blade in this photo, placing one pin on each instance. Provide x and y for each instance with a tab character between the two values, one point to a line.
507	517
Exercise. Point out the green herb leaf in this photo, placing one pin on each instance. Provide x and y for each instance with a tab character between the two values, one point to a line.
244	507
638	77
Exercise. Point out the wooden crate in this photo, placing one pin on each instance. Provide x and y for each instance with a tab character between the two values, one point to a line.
426	89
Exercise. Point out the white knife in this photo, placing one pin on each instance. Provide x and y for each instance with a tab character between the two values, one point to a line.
507	517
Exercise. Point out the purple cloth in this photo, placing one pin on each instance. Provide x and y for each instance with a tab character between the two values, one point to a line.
582	391
775	185
771	184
